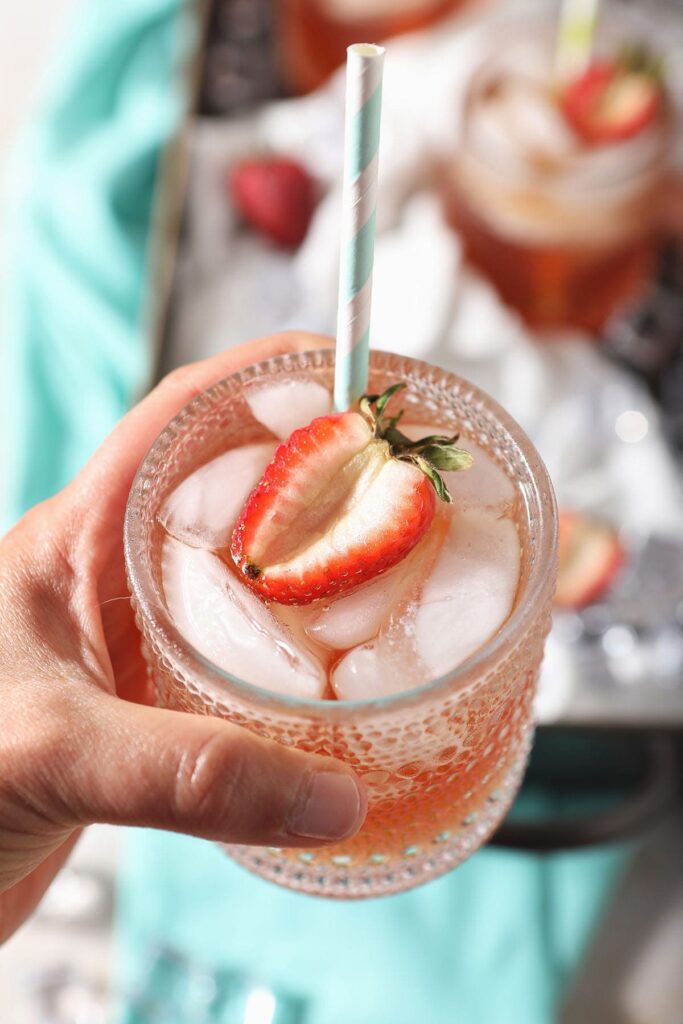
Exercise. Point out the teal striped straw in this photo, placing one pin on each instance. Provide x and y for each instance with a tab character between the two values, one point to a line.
364	65
578	20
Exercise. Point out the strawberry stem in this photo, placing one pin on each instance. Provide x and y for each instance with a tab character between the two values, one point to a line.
429	454
639	60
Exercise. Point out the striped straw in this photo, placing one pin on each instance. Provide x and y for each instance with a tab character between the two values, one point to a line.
364	66
575	37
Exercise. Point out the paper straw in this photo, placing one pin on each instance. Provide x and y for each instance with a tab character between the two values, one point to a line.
575	37
364	64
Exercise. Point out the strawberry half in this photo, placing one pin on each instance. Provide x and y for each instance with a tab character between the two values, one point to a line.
276	196
590	556
343	500
614	100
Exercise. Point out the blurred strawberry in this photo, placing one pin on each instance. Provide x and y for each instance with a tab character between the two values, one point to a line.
614	100
276	196
590	556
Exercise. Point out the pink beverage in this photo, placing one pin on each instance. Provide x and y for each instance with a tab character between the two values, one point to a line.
561	211
421	678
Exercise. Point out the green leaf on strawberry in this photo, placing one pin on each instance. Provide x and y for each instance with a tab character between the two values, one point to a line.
429	454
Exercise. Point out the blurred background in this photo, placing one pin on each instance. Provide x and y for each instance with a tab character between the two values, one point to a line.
172	177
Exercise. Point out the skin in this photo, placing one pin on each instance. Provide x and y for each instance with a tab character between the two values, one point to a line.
80	741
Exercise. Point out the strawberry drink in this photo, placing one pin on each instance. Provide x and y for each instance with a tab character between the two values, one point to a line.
558	187
374	585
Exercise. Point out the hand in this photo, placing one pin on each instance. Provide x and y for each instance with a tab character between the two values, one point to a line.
79	743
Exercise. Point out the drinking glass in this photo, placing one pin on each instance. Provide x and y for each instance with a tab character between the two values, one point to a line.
567	234
442	762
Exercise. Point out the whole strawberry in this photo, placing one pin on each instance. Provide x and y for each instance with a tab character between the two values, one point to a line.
344	499
276	196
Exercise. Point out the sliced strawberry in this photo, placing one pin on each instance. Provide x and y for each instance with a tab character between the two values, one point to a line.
344	499
276	196
590	556
612	101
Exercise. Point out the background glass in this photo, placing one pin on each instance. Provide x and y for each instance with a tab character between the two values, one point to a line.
566	233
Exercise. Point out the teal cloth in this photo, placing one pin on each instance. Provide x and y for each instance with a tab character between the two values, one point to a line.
493	942
77	222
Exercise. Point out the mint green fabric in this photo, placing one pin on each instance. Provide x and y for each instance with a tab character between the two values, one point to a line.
77	222
492	943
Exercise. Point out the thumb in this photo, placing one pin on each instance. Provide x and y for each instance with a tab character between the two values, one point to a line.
137	765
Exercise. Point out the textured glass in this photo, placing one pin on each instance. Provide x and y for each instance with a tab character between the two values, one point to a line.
441	763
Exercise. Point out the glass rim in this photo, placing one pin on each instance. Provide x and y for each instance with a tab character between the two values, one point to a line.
532	597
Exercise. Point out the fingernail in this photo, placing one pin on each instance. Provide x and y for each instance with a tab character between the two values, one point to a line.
333	807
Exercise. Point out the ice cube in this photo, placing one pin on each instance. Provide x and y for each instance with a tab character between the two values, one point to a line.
203	509
483	485
519	123
289	404
465	599
386	665
470	592
232	627
536	122
491	137
351	620
602	167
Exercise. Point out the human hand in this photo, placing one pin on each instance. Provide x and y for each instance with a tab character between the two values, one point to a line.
79	743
